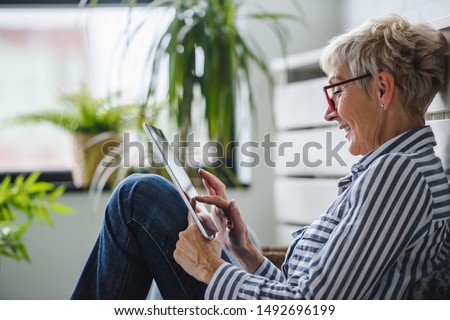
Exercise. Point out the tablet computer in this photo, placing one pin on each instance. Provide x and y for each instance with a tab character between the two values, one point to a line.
177	173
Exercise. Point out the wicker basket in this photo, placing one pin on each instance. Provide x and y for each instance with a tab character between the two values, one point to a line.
89	151
275	254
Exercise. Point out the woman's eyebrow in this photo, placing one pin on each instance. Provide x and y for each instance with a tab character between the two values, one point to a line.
335	79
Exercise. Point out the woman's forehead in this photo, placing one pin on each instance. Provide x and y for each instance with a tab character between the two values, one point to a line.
338	74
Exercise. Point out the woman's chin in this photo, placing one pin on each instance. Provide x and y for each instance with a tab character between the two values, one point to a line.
354	149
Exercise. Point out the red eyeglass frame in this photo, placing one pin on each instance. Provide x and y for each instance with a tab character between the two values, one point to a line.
330	100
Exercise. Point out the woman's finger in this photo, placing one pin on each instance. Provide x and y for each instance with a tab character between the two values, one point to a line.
209	189
193	203
214	200
213	182
187	196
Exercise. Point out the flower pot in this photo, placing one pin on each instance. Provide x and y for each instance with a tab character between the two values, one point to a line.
89	151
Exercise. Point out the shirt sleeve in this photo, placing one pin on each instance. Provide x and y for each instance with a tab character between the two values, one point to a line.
217	291
386	208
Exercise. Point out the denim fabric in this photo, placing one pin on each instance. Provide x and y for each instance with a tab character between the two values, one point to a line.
142	221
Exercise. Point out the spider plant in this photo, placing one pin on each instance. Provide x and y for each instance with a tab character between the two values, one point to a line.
85	114
93	122
206	49
208	60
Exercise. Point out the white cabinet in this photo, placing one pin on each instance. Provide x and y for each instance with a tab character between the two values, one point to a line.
300	201
295	100
315	151
312	153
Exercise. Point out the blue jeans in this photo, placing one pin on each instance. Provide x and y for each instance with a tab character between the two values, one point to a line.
142	221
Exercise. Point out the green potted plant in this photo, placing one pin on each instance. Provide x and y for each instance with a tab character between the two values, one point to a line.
22	202
93	122
209	60
208	28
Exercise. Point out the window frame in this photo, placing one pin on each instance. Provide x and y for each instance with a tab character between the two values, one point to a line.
64	177
57	177
59	3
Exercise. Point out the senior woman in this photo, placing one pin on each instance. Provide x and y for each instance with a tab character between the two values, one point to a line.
387	229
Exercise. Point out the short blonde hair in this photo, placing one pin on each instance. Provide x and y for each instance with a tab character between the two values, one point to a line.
415	54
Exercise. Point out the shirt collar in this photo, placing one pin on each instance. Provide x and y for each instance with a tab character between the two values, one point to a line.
408	142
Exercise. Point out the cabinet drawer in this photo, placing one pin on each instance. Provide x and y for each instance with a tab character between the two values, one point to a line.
439	103
300	104
321	152
301	200
283	234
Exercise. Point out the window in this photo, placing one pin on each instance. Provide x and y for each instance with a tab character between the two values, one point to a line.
45	52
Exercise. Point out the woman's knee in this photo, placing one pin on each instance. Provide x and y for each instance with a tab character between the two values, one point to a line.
148	184
148	192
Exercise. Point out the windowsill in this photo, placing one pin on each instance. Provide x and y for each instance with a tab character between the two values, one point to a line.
65	178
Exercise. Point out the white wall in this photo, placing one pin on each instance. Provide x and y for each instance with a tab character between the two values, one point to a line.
57	254
354	12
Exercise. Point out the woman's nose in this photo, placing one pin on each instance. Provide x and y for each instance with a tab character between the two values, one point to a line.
330	115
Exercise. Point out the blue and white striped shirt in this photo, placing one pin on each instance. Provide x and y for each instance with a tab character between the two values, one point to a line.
388	228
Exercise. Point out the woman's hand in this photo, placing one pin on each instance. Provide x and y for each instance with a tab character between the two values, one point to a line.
229	223
204	217
196	255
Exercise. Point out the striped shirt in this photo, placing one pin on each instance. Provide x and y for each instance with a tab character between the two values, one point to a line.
388	228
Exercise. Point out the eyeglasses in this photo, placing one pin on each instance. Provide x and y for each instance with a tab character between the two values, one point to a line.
330	93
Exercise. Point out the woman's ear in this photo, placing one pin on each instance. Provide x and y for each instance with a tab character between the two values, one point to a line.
385	88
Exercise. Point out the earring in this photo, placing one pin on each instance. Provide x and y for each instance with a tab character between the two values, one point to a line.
382	106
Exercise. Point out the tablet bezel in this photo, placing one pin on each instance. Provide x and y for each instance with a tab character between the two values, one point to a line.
168	158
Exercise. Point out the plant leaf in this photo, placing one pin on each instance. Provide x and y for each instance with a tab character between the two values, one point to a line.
31	179
61	208
56	193
5	185
40	187
22	252
24	201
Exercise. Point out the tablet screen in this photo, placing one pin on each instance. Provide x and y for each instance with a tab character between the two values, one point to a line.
177	173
